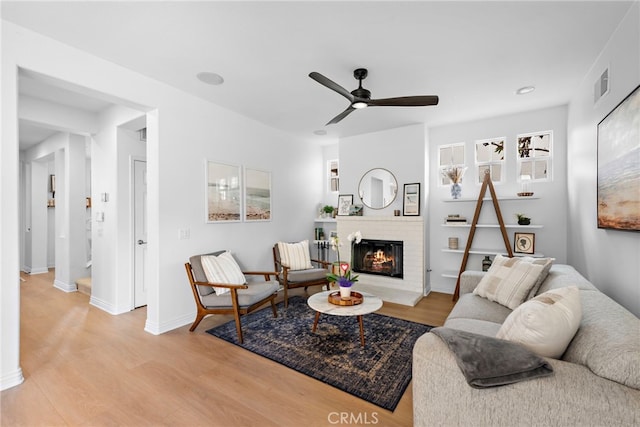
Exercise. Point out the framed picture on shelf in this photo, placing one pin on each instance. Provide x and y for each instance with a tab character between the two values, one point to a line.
223	201
344	204
411	200
524	243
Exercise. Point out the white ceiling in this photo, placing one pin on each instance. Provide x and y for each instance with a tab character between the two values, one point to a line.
473	55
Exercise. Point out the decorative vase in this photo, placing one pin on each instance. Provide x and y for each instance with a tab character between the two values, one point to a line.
524	221
345	292
486	263
456	190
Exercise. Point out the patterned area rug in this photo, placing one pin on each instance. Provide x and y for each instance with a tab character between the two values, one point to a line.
378	373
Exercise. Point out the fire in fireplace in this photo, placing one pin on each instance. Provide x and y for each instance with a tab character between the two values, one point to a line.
383	257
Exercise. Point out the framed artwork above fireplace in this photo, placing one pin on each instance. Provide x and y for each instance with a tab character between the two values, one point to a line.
411	200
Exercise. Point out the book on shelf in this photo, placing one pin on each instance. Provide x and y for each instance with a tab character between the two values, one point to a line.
455	219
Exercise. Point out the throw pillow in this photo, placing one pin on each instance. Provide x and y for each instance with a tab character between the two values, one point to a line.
546	264
508	281
295	255
222	269
545	324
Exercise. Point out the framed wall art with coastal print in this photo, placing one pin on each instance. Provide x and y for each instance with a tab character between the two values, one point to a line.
223	195
257	195
619	166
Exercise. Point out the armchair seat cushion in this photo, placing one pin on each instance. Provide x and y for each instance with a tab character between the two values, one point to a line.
307	275
256	292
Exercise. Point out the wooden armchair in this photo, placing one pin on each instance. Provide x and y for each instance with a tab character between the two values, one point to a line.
241	299
290	278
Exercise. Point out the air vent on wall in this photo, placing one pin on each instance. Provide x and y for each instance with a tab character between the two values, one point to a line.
601	86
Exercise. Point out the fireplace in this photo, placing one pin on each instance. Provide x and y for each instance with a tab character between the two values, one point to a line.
381	257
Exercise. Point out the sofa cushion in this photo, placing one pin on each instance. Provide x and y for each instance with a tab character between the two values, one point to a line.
608	341
481	327
561	276
222	269
509	280
545	324
471	306
295	255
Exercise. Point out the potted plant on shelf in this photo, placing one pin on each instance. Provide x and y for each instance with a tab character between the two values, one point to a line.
327	210
523	219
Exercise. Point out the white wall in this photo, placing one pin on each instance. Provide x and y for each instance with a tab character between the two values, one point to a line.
609	258
550	209
400	151
183	131
329	152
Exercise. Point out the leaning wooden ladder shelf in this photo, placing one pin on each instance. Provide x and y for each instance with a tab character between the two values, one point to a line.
485	183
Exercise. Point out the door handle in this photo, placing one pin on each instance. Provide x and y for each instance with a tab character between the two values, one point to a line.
142	242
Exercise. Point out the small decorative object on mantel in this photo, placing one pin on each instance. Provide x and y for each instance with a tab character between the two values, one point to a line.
455	174
523	219
344	204
355	210
525	186
343	276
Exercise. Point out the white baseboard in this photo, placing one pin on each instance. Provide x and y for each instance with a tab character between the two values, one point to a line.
66	287
103	305
32	271
160	328
11	379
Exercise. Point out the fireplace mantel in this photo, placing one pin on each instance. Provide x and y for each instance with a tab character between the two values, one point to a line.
410	229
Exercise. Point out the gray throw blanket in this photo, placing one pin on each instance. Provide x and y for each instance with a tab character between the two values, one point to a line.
489	362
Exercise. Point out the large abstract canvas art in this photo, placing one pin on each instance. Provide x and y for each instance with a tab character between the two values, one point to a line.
619	166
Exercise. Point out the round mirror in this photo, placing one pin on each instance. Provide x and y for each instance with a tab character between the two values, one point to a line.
378	188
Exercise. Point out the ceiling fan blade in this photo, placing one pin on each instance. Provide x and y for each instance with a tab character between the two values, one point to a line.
341	116
331	85
405	101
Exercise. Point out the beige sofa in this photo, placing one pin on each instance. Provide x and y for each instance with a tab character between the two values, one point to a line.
596	382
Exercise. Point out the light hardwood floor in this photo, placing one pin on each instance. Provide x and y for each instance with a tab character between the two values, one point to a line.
83	366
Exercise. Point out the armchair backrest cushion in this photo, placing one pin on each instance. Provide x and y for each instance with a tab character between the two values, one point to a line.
222	268
199	274
295	255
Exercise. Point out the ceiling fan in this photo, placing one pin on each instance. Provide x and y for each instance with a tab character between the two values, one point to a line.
361	97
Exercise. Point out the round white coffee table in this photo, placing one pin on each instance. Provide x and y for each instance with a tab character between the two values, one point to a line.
320	303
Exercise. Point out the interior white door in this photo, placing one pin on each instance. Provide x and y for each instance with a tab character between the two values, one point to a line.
140	232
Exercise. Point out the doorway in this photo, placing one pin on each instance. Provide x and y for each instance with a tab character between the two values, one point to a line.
140	233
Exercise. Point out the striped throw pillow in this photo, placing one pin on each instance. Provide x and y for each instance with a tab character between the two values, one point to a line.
222	269
295	255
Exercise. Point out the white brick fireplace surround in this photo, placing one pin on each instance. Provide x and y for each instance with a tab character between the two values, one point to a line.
408	290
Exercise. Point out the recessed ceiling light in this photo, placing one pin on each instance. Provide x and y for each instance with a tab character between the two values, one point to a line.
210	78
524	90
320	132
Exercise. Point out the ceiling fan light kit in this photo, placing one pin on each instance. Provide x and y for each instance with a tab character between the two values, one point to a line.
361	97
